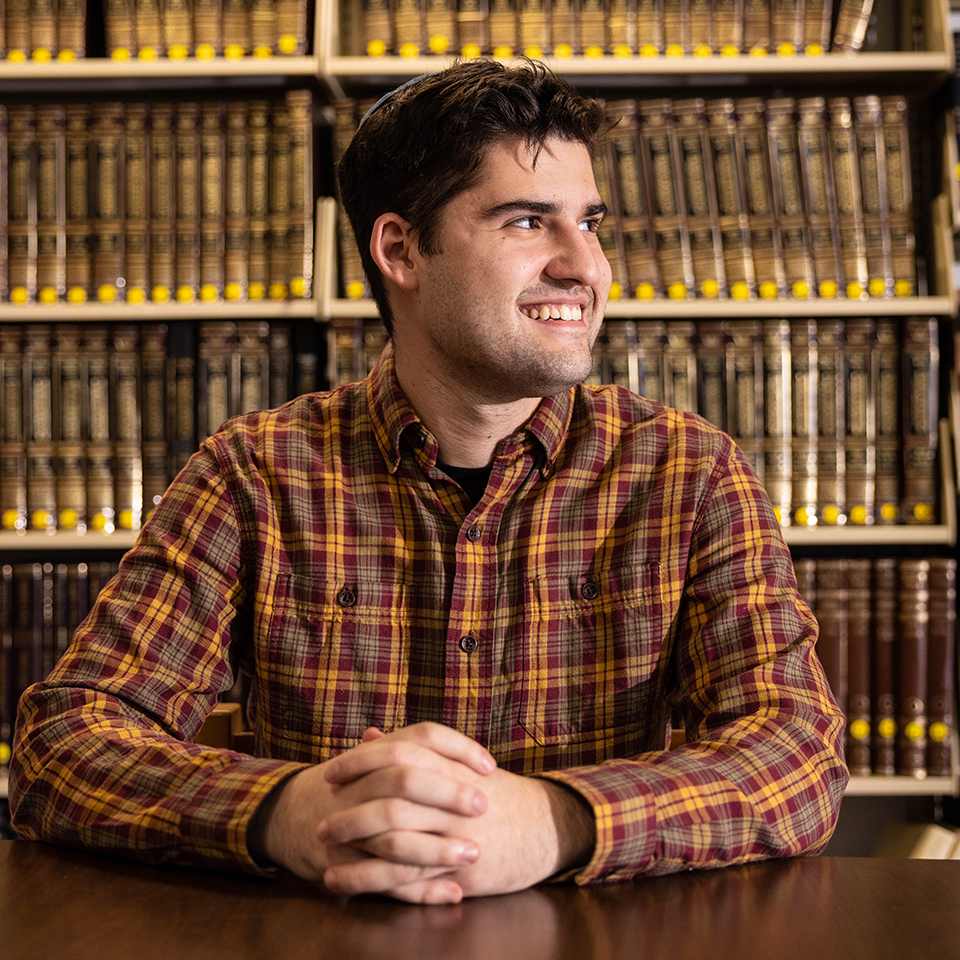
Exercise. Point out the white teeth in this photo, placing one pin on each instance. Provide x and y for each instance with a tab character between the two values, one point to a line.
564	312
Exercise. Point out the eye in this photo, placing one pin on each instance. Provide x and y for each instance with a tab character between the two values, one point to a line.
526	223
590	226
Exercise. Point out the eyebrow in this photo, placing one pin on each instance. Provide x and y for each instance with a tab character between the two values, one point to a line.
536	206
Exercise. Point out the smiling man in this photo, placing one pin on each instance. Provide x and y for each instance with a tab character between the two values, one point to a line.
470	592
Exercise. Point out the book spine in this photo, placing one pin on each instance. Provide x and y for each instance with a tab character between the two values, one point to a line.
258	206
98	452
21	204
119	28
941	666
651	337
754	159
78	227
236	29
153	380
921	360
107	221
777	417
728	26
786	26
676	27
4	215
756	26
831	424
409	27
502	27
279	348
702	21
309	357
51	212
788	199
182	393
610	233
13	477
163	173
47	637
896	141
353	284
38	410
208	29
731	198
859	704
622	27
212	170
177	19
833	614
187	203
533	27
236	220
136	205
7	706
125	403
26	635
817	22
697	187
17	21
804	433
711	347
745	389
441	25
650	27
887	420
472	38
216	375
278	201
43	30
853	18
884	630
819	195
292	27
300	228
148	24
680	366
914	623
593	27
253	352
871	163
860	404
69	381
621	357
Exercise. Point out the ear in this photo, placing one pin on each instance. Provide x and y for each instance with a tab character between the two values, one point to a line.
394	250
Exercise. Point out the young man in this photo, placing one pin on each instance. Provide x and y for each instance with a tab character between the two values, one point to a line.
470	593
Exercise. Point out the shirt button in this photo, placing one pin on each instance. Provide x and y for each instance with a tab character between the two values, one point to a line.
546	471
346	598
468	644
589	591
474	533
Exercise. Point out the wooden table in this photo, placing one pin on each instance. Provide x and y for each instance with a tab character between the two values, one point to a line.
69	905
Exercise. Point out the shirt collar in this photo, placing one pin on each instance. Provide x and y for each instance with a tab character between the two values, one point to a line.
392	414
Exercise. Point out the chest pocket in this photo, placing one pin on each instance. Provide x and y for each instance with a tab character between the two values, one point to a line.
333	662
597	658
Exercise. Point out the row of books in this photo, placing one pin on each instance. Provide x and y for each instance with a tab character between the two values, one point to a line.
41	605
745	199
887	644
98	418
65	30
157	201
619	27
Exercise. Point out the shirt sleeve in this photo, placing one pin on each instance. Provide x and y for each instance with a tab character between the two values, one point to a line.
762	774
103	757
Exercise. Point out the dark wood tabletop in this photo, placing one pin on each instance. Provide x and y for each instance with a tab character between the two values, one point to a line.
71	905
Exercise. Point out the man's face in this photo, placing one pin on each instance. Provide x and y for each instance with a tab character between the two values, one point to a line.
511	304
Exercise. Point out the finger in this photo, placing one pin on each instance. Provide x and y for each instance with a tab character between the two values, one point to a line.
372	733
403	881
425	745
420	849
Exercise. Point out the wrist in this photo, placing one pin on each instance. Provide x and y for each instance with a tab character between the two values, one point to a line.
575	826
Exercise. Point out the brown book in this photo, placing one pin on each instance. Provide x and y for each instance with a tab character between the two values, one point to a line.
182	392
697	189
236	219
307	345
79	265
853	18
236	29
629	179
803	415
711	363
291	27
680	366
7	706
533	27
659	149
745	389
777	419
831	424
702	38
300	216
353	284
618	358
788	201
817	24
213	184
728	26
125	403
502	27
610	231
731	198
756	26
120	28
472	38
106	213
253	366
50	203
941	666
47	638
177	19
38	427
98	448
153	428
217	378
187	203
278	199
651	337
593	27
18	33
833	615
753	154
136	204
912	652
163	198
148	24
650	27
676	27
871	164
69	402
21	204
409	26
280	350
258	204
859	705
4	287
13	477
377	24
921	359
622	27
884	630
896	139
819	195
786	26
26	631
859	440
440	26
207	29
887	367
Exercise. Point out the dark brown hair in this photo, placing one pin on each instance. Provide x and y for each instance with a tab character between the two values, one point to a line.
424	144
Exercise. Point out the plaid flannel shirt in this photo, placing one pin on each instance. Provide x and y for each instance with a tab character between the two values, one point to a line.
623	565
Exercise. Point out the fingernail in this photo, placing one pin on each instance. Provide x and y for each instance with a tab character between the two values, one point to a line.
323	830
488	764
479	802
469	853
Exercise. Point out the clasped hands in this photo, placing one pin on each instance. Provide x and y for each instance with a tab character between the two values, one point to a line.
422	814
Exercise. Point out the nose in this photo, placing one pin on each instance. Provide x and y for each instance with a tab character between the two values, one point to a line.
576	257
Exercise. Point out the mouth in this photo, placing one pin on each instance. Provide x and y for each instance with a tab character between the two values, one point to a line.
552	312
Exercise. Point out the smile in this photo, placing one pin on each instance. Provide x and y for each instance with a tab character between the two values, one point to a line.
552	313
